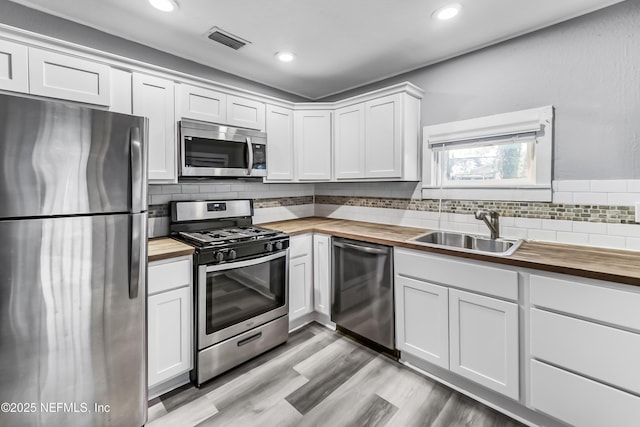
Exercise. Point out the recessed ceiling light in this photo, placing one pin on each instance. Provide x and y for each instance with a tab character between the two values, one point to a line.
447	12
285	56
164	5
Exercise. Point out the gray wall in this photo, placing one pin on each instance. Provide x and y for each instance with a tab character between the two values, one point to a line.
32	20
588	68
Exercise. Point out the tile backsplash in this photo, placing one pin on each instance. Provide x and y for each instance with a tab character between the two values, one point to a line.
596	213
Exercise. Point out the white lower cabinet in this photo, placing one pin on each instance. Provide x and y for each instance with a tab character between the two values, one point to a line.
322	273
422	320
309	279
169	319
585	347
580	401
472	335
300	276
483	333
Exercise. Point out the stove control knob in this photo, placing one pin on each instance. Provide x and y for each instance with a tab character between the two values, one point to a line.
218	256
278	246
231	254
268	247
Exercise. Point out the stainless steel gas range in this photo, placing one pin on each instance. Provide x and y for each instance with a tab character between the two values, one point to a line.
241	291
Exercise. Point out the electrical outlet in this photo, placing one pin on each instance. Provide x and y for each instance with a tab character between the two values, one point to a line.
637	211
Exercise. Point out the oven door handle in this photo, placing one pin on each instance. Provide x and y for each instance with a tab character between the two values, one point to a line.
247	263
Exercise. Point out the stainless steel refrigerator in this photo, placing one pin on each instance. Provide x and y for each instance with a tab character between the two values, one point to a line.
72	265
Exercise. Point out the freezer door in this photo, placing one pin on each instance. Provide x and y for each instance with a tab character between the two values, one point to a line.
61	159
72	332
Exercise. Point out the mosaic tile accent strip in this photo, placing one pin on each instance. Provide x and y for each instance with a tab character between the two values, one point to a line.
536	210
158	211
162	210
282	201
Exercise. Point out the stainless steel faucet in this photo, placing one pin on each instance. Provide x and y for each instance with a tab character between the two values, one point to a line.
493	224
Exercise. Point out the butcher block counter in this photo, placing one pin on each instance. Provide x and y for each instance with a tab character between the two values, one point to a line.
596	263
165	247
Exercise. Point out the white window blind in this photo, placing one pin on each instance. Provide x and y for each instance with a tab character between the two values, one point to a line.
500	157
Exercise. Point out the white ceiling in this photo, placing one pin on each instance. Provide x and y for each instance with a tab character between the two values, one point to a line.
340	44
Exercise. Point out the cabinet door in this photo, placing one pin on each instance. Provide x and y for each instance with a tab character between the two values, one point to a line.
14	75
201	104
484	341
153	98
245	113
56	75
349	143
383	136
312	136
322	273
121	96
422	320
279	144
300	287
169	326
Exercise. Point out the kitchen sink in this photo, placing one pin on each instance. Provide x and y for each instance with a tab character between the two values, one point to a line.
469	243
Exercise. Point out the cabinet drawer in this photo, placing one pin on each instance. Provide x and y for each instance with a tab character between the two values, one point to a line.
579	401
61	76
600	303
465	275
600	352
169	275
300	245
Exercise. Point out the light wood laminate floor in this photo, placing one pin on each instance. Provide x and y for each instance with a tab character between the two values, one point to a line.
321	378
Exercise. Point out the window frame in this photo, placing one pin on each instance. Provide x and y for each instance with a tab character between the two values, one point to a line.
436	138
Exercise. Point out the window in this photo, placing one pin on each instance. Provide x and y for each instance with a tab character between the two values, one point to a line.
501	157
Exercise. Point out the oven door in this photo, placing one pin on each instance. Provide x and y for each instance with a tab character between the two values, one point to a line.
238	296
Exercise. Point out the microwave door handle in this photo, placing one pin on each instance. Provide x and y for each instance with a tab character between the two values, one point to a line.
250	151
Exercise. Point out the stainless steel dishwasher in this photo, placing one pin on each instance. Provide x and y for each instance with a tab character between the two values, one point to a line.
362	291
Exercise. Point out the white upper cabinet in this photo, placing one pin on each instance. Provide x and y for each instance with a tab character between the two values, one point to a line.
201	104
121	101
383	137
198	103
153	97
14	75
378	137
245	113
312	134
349	142
280	164
61	76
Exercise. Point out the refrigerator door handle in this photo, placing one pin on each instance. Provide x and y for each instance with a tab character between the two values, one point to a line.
137	169
137	264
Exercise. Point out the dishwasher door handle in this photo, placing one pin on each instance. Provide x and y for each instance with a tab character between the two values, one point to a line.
365	249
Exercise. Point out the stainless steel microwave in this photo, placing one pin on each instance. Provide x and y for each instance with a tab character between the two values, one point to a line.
210	150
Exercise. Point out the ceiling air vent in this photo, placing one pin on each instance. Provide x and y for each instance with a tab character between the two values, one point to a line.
223	37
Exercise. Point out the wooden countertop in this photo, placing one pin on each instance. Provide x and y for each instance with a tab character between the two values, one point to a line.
597	263
165	247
